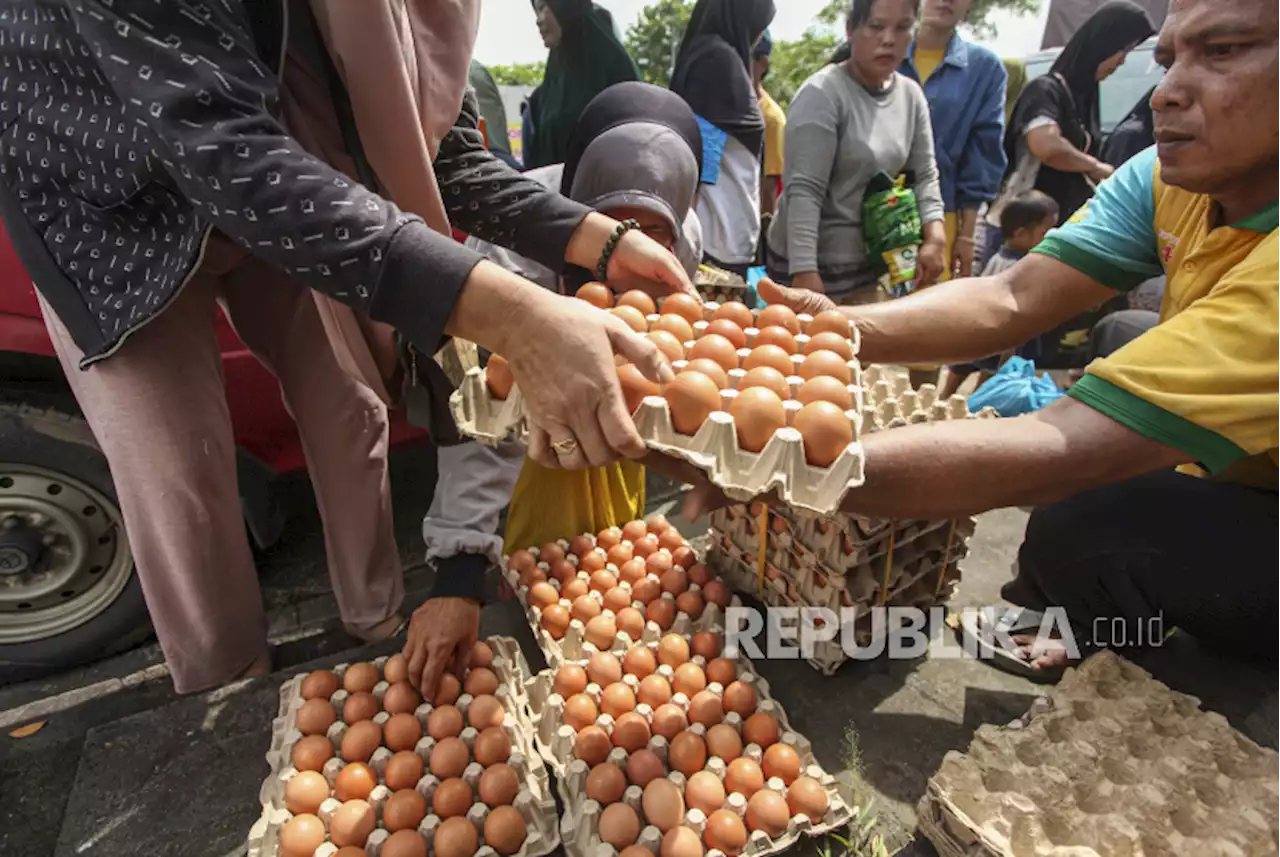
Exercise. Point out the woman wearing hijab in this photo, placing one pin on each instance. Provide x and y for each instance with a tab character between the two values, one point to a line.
586	58
635	154
713	74
1017	71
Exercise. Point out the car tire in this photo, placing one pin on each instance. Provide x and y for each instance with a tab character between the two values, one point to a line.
56	483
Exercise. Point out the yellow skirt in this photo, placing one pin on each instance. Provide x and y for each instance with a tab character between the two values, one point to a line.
560	504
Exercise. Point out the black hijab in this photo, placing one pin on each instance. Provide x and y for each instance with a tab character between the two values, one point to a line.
1115	26
713	68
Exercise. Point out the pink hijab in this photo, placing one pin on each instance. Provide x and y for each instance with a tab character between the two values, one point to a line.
404	64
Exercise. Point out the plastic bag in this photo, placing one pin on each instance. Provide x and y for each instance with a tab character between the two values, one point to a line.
1015	390
891	228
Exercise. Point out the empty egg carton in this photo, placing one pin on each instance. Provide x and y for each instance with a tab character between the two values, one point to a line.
535	801
888	401
1111	763
479	414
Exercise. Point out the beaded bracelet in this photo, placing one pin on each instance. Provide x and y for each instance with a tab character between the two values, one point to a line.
602	269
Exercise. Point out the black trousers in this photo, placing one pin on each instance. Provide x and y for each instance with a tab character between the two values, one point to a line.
1190	553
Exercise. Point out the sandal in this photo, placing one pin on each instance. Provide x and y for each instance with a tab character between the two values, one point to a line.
989	633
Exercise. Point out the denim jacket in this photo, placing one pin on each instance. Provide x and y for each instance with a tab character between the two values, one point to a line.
966	99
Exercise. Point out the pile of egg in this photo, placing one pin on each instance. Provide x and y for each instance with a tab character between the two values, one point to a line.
384	772
617	582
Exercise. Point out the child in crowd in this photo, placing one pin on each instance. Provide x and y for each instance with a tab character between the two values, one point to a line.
1024	223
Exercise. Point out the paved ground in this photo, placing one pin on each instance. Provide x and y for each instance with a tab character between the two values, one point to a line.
136	770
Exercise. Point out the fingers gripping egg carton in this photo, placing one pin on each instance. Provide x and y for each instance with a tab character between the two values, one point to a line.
331	786
1111	763
633	768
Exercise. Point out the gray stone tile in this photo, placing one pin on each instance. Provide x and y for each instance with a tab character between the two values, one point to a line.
37	779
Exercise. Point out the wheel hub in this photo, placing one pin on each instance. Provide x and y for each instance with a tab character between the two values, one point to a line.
21	546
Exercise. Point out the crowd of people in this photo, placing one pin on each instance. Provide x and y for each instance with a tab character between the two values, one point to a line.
310	174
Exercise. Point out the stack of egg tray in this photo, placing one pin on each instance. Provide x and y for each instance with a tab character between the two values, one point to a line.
889	402
714	284
1110	764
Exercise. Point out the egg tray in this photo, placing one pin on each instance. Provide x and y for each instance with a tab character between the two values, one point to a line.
535	801
888	402
1111	763
580	824
574	646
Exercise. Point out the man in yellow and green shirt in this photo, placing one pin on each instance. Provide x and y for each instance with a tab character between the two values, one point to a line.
1155	479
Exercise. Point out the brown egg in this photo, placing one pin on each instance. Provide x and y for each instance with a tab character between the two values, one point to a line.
632	317
404	810
639	300
617	600
735	312
617	700
823	362
830	321
681	842
580	711
714	347
315	716
690	603
532	576
654	690
661	611
449	758
499	785
760	729
574	589
688	753
485	711
686	306
676	325
481	654
767	811
401	732
301	836
692	398
705	792
675	581
319	684
723	742
401	698
592	745
352	823
740	698
669	720
570	679
726	832
498	376
360	740
350	851
359	706
635	851
602	581
620	554
619	824
743	777
555	621
771	356
671	540
826	432
403	770
585	608
684	557
807	797
782	761
689	679
550	553
722	671
646	591
644	546
778	336
504	830
444	722
699	574
830	342
631	732
492	746
710	368
448	690
605	784
660	563
630	621
542	595
667	344
673	650
452	797
604	669
632	571
757	413
455	837
706	708
663	804
715	592
706	644
633	530
644	766
601	630
402	843
779	315
521	561
596	294
824	388
306	790
768	378
729	330
592	561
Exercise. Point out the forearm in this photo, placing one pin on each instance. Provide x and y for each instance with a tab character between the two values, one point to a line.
966	223
1064	157
934	232
769	195
494	305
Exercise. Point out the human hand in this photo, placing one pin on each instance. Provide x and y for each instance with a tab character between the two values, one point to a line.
1101	172
810	281
930	262
796	299
638	262
962	257
441	634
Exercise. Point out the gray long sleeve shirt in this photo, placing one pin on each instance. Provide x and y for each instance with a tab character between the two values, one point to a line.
839	135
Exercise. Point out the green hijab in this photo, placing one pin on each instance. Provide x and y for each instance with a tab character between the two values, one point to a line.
588	60
1017	71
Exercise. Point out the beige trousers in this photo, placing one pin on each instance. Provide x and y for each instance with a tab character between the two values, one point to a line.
159	411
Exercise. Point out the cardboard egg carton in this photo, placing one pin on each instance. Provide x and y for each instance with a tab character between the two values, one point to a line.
573	646
535	801
888	402
1111	763
580	824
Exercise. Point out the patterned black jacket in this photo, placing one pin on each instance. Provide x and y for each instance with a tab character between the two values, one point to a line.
130	128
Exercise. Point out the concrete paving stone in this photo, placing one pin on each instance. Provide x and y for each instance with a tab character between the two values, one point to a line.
38	777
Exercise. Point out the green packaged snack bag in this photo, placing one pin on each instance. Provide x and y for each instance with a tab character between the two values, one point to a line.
891	227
